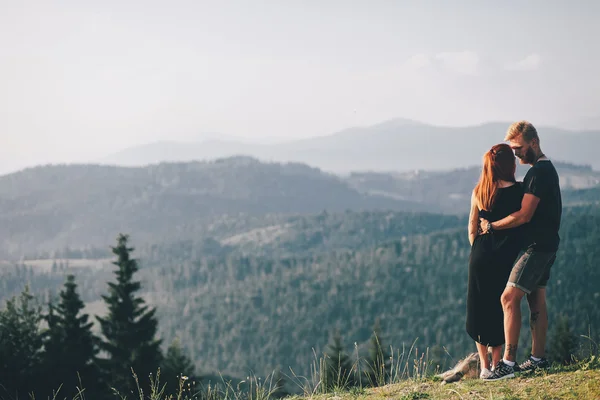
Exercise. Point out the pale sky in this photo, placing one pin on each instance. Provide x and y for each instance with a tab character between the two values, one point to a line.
82	79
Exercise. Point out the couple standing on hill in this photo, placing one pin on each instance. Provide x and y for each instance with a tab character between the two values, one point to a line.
506	218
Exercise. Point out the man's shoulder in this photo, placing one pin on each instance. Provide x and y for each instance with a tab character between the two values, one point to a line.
542	167
546	167
531	172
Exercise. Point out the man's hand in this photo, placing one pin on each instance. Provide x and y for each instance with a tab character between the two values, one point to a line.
484	225
523	216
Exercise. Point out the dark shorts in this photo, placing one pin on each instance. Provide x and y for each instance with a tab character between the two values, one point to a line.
532	270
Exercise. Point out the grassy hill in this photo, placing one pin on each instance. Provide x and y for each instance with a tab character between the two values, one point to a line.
556	386
580	380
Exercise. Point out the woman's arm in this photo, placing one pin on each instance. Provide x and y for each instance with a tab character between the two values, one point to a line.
473	219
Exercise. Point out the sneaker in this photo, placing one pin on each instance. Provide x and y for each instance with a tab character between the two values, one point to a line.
532	365
485	373
502	371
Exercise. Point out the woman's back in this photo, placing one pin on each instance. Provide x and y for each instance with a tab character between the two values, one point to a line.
492	255
508	200
491	260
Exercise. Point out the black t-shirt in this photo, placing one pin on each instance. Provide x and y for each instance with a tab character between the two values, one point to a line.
542	231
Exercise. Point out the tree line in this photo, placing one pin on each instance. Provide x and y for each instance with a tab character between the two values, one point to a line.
53	351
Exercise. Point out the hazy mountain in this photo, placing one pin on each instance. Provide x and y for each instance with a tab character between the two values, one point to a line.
589	123
450	191
47	208
396	145
44	208
170	151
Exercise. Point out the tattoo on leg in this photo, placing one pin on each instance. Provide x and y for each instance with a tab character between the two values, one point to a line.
533	319
512	350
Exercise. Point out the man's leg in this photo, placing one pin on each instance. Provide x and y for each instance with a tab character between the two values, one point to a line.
538	317
538	321
511	305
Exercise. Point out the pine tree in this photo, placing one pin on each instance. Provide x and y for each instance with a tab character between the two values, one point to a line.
278	385
129	329
378	362
175	366
339	371
563	343
70	348
20	347
437	359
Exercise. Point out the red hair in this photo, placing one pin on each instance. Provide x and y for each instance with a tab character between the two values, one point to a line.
498	165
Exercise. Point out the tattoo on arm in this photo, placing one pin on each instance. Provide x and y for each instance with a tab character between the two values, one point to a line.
533	319
512	350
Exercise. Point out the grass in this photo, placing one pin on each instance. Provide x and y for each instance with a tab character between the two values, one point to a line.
579	380
410	375
563	385
557	384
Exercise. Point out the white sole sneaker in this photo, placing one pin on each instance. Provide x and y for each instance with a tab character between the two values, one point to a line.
499	379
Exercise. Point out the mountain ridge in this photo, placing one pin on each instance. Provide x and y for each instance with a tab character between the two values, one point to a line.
393	145
48	207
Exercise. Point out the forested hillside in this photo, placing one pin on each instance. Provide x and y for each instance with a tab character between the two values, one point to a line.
48	208
83	207
260	306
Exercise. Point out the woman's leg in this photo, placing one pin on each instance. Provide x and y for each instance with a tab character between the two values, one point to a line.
496	355
483	355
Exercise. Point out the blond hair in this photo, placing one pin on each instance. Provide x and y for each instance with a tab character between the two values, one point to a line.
522	128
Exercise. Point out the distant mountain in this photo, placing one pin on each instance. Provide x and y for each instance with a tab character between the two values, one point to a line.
46	208
171	151
82	206
396	145
588	123
450	191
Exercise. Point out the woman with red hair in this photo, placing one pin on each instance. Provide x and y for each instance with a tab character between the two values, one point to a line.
496	195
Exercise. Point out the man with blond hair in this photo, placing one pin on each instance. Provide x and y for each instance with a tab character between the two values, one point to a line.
541	210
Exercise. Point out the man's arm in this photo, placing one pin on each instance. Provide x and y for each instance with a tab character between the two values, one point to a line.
523	216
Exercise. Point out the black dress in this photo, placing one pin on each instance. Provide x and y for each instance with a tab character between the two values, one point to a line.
491	260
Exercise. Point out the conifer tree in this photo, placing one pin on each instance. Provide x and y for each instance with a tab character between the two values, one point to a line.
563	342
129	329
378	361
278	385
20	347
339	371
70	348
175	366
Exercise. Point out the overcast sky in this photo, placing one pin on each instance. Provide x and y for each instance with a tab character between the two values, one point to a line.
90	78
